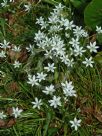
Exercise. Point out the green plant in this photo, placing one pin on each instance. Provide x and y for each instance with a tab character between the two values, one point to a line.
49	82
93	14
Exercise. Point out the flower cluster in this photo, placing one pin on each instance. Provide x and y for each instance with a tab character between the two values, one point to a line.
61	39
15	112
5	46
6	3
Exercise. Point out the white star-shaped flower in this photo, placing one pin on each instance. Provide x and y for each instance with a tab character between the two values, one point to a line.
2	54
68	89
17	64
4	3
79	51
99	29
49	90
16	49
27	7
37	103
30	48
68	24
75	123
55	101
92	47
2	115
50	67
74	42
16	112
5	44
88	62
41	76
32	80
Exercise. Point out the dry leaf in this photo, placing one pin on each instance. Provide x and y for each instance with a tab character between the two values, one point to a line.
9	111
88	120
14	86
98	113
13	55
87	110
11	122
2	123
23	56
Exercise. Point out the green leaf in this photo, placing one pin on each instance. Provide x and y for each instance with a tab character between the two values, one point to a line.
52	131
56	75
98	57
76	3
1	36
93	14
65	129
2	25
99	131
48	120
52	2
99	38
2	21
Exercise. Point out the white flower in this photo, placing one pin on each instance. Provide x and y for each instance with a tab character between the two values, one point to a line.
5	44
59	7
68	89
75	123
12	0
16	49
37	103
32	80
50	67
53	20
79	51
55	101
99	30
88	62
70	62
39	36
92	47
30	48
68	24
27	7
55	28
74	42
79	32
41	44
41	22
16	112
49	90
17	64
2	115
48	54
48	41
2	54
64	59
84	33
4	3
41	76
67	85
58	50
58	46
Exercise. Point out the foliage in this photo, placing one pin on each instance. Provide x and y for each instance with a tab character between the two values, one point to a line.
93	14
18	27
